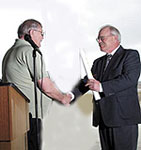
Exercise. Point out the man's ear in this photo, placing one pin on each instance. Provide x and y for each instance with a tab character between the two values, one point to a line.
31	33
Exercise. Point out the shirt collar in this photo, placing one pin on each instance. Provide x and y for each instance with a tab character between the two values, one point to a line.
113	52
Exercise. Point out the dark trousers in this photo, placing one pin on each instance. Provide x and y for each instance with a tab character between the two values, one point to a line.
120	138
32	134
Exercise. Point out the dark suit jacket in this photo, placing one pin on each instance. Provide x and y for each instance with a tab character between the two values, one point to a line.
119	104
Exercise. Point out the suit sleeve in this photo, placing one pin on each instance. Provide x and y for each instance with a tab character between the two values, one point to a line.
80	88
127	77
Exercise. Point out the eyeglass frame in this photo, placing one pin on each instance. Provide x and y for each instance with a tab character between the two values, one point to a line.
42	33
102	38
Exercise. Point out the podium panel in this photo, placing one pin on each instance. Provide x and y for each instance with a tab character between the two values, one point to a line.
14	119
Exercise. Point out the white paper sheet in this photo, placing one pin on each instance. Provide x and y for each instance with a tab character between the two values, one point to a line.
88	71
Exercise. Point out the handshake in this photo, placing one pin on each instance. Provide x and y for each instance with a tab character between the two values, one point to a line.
92	84
66	99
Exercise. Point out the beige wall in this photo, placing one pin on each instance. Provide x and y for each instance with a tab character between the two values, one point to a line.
70	128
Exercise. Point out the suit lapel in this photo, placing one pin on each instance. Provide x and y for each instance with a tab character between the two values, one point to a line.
102	66
113	62
98	68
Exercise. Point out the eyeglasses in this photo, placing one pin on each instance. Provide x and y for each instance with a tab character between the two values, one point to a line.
42	33
102	38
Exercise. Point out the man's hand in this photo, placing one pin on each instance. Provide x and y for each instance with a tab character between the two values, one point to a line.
67	99
93	85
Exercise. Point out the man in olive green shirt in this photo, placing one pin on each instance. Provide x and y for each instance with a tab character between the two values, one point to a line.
17	68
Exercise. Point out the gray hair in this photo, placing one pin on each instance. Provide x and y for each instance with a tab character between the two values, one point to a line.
27	25
114	31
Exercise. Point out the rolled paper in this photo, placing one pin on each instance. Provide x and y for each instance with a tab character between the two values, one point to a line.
88	71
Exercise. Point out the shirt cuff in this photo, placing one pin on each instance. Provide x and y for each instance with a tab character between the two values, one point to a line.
72	95
101	89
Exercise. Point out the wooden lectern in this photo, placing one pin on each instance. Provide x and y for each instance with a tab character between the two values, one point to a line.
14	118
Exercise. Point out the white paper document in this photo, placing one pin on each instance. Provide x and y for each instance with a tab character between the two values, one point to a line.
88	71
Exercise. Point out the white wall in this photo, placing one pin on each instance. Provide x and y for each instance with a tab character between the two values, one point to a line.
70	25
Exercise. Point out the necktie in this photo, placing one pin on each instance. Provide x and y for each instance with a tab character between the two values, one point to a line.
109	56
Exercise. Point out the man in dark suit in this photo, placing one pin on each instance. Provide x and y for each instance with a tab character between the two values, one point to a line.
116	75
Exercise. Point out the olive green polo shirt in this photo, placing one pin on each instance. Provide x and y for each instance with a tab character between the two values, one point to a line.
17	68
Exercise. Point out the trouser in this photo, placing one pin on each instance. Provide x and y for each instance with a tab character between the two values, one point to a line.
32	134
120	138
